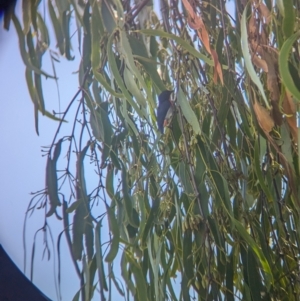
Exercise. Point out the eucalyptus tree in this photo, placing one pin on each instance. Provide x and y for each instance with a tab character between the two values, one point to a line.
209	210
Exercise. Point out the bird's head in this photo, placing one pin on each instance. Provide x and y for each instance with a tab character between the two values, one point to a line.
165	96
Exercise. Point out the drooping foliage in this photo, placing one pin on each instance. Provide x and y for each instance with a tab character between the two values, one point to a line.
208	210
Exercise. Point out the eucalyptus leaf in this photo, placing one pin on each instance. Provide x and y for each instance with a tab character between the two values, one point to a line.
188	112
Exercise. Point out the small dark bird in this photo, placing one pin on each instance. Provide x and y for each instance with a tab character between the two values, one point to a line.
164	104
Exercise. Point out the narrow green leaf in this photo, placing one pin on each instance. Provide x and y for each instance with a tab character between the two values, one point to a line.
140	53
129	124
57	150
51	181
133	88
287	145
96	30
44	35
78	230
36	118
110	182
34	10
30	85
115	159
100	122
142	212
115	281
33	57
222	190
32	92
89	238
107	17
62	6
99	256
154	250
185	294
77	295
200	169
39	92
139	278
254	277
125	274
279	4
150	221
289	18
181	42
126	197
73	206
188	112
66	33
215	231
118	6
97	125
185	178
87	47
119	80
80	170
187	255
285	74
114	228
97	91
102	128
86	272
26	10
78	13
202	188
57	28
53	117
229	277
259	172
81	213
24	54
126	53
268	276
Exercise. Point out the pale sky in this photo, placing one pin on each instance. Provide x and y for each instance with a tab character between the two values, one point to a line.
22	167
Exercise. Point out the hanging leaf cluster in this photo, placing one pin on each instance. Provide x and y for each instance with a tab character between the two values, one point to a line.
208	210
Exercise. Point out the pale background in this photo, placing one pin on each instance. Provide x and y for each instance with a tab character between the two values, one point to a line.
22	167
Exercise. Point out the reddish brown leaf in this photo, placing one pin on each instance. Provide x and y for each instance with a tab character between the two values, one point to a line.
254	36
273	87
189	8
252	27
196	22
265	13
203	34
218	68
264	119
260	63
